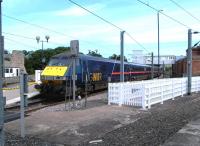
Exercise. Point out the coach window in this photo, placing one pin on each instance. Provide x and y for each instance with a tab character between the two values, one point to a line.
117	68
11	70
7	70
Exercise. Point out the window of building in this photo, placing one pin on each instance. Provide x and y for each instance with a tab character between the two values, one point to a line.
7	70
11	70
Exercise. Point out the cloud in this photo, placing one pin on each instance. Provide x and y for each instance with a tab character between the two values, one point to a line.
73	11
77	11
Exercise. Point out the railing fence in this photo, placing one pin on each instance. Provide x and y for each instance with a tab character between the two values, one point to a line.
146	93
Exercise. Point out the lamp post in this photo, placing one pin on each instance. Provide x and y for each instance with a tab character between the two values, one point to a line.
158	40
42	41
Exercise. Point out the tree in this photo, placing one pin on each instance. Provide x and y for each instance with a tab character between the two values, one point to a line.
26	53
94	53
33	59
117	57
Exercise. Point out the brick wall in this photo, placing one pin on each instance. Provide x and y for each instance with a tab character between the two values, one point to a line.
180	67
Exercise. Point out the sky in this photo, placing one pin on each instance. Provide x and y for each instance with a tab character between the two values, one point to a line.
64	21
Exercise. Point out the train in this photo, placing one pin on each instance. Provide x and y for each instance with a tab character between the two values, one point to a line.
95	72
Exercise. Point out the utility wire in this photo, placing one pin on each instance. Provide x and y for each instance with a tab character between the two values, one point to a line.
137	42
35	25
26	37
17	35
45	28
157	10
26	45
190	14
96	15
103	19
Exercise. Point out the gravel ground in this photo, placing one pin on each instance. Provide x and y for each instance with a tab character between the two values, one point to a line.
153	127
12	140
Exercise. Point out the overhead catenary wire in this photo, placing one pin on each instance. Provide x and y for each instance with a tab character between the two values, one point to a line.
137	42
35	25
109	22
17	35
26	45
30	38
45	28
186	11
158	10
96	15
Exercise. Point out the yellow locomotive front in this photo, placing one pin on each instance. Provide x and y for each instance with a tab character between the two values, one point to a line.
54	75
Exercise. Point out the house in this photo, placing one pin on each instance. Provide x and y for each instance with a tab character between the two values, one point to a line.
14	63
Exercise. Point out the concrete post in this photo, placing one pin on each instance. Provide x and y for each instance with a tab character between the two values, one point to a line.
74	48
74	81
23	101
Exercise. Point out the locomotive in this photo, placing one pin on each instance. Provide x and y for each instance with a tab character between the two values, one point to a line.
95	71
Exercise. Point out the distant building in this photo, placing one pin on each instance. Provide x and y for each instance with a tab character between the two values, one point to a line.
139	57
14	63
164	59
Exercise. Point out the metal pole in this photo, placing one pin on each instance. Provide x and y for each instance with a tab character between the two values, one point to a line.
86	90
152	67
74	80
122	56
158	41
42	54
66	92
70	90
189	60
163	69
1	81
22	122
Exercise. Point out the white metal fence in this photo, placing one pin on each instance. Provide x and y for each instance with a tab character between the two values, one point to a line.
147	93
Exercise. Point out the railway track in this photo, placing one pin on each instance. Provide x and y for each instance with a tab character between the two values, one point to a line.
38	102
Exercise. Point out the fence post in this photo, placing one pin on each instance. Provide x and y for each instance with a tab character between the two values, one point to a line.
172	89
196	86
109	93
149	100
121	94
161	85
143	97
181	87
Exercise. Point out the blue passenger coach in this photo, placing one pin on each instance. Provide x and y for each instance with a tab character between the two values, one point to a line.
57	75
